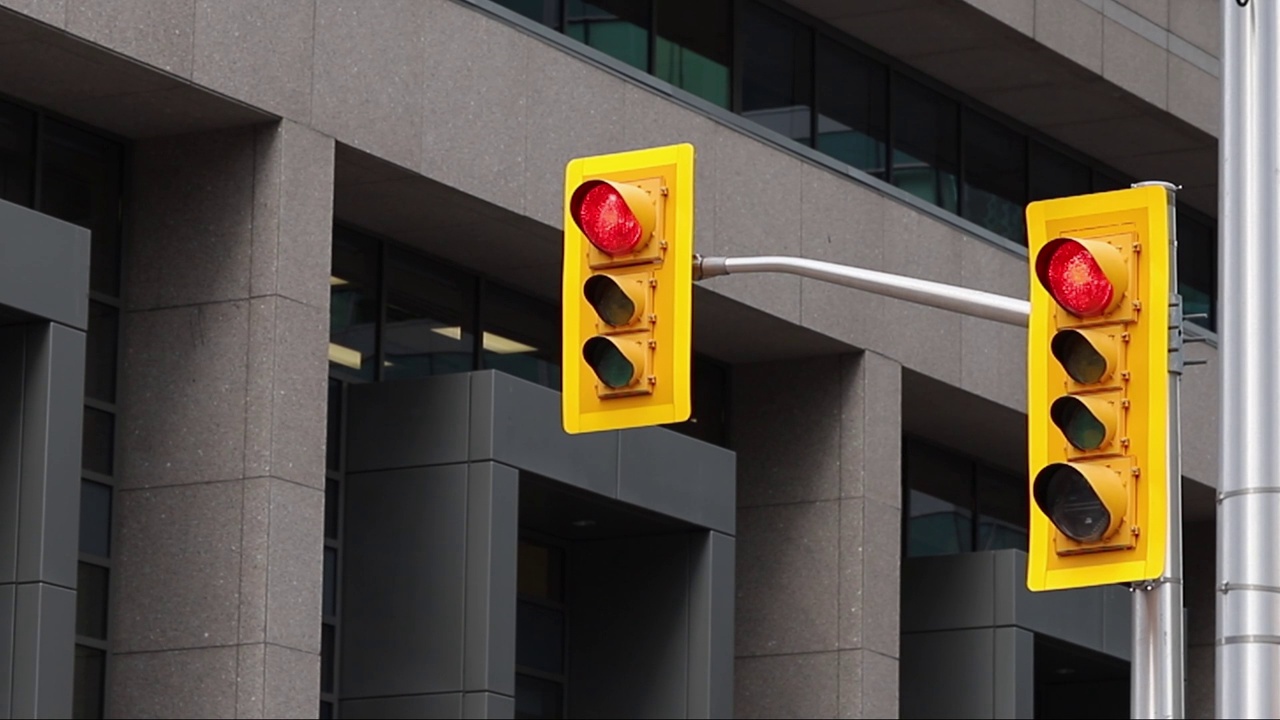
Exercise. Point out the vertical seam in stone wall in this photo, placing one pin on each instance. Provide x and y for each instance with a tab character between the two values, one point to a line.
239	600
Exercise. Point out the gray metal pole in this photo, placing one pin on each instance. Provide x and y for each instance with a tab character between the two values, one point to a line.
1248	626
976	303
1158	668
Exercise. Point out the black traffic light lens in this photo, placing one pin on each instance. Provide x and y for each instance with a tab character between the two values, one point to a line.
1071	503
1079	357
610	302
1078	424
609	363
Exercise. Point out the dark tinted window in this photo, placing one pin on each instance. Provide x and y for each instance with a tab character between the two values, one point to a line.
693	47
616	27
430	320
926	142
995	176
17	154
80	183
546	12
1197	268
521	336
1055	175
353	307
852	107
777	71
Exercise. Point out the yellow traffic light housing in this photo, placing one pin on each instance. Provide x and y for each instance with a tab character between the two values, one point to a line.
628	289
1097	403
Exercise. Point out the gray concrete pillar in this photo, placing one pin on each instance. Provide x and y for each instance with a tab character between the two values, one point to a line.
819	507
217	560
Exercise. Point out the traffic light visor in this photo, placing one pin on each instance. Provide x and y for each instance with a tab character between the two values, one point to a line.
1086	277
1088	356
1087	423
1087	503
617	218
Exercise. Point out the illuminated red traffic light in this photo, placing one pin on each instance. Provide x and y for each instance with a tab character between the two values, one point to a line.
617	218
1086	278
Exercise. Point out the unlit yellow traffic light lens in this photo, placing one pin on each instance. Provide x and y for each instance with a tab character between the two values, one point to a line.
1071	504
617	300
1081	426
609	362
1084	360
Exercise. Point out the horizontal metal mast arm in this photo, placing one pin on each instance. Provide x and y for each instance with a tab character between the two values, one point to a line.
976	303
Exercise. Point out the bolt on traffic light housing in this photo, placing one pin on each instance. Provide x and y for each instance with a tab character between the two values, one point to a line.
1097	404
627	289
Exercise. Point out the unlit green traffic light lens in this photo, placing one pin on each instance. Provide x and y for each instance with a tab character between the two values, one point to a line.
1079	357
610	302
608	362
1081	427
1071	504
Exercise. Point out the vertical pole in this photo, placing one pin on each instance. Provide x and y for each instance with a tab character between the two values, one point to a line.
1247	651
1158	665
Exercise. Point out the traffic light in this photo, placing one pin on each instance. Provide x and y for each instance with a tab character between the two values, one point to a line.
1097	404
628	289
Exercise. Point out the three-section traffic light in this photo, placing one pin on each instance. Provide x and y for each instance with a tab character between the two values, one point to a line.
1097	403
628	289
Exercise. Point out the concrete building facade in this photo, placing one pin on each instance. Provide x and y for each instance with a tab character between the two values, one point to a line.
381	517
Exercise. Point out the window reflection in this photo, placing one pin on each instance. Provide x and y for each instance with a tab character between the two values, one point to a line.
17	154
693	48
353	307
925	143
80	183
430	325
619	28
956	504
995	176
777	71
521	336
852	113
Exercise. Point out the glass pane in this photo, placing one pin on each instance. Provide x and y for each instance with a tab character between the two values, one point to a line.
333	426
1103	181
1054	175
326	710
537	698
546	12
694	47
91	601
521	336
1003	510
330	582
100	352
331	509
539	637
97	440
619	28
941	501
777	71
430	318
1198	268
86	697
925	143
95	518
995	176
17	152
852	107
326	658
80	179
353	306
540	571
708	421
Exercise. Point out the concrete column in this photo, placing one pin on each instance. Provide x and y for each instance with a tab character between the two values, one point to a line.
217	564
819	518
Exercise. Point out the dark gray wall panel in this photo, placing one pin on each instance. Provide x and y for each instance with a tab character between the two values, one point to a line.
1015	681
403	578
518	423
493	500
49	509
443	705
679	476
407	424
6	648
488	705
942	674
947	592
629	638
711	595
46	266
44	650
12	361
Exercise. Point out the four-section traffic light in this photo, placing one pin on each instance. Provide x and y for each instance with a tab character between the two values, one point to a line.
1097	366
628	289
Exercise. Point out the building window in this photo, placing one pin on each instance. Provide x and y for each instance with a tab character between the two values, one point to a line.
777	72
540	630
428	326
619	28
955	504
926	143
693	47
852	110
994	194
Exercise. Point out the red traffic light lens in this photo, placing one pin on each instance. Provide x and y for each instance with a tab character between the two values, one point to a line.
605	218
1073	277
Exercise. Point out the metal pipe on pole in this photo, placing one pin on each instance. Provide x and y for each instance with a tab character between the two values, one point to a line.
1158	666
1247	653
